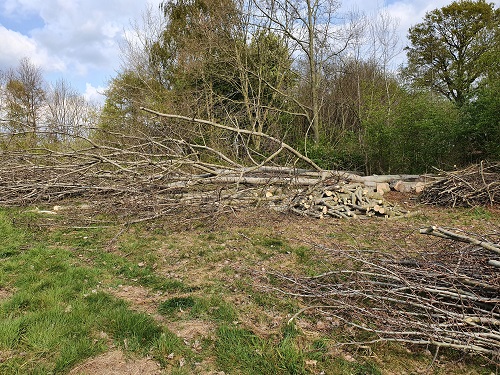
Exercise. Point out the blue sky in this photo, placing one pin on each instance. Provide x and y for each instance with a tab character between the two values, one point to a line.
79	40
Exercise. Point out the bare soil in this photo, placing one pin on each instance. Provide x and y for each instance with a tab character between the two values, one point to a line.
116	363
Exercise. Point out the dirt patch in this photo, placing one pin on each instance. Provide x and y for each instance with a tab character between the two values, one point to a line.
192	330
140	299
5	293
116	363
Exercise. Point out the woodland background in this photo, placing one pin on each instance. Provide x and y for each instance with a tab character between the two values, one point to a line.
322	81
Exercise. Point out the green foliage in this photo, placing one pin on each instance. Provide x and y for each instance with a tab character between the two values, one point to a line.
480	124
421	135
345	154
449	47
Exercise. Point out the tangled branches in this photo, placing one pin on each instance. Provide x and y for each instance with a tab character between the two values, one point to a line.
474	186
447	298
146	176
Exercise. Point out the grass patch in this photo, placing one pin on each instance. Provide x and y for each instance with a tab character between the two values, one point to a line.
55	310
172	305
214	308
239	350
57	307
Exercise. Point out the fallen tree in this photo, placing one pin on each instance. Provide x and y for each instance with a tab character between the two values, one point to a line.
146	176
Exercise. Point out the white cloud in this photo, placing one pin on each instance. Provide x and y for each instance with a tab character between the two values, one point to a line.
16	46
94	94
81	39
76	38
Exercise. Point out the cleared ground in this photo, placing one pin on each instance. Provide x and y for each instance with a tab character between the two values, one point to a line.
190	294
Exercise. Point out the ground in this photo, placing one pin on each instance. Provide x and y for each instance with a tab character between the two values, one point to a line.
215	267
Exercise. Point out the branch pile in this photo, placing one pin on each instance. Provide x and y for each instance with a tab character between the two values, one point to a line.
445	297
477	185
144	176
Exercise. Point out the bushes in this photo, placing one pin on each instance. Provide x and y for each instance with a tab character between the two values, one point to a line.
421	133
418	133
480	125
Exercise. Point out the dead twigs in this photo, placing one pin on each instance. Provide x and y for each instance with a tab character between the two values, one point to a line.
146	176
447	297
477	185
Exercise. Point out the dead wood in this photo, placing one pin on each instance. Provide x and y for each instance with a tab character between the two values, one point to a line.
148	176
343	201
444	233
477	185
448	296
251	133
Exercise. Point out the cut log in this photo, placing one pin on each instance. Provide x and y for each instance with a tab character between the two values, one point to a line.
382	188
405	186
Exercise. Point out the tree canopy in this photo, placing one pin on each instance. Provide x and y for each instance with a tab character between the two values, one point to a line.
329	91
449	51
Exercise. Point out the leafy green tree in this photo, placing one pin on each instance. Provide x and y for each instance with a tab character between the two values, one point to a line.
194	43
218	65
480	125
449	50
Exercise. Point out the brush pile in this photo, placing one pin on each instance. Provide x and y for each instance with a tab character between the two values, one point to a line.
448	296
477	185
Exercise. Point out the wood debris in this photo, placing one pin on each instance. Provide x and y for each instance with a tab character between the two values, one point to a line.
477	185
344	201
446	297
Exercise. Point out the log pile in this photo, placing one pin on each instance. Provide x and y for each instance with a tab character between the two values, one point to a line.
344	201
447	297
477	185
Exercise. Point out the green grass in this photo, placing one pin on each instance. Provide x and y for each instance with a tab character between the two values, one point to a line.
214	308
55	310
239	350
56	306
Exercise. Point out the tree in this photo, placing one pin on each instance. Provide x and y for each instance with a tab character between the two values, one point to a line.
195	41
223	66
24	97
68	114
448	50
313	33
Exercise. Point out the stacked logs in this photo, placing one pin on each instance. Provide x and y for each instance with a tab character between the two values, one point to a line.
344	201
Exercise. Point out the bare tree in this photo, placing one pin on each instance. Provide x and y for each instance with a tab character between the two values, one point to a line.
24	97
316	33
68	113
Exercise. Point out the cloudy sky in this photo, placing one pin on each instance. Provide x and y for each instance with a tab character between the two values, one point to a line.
79	40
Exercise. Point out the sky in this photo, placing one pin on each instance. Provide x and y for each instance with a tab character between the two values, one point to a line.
79	40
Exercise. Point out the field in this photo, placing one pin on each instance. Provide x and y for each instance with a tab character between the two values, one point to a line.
195	293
